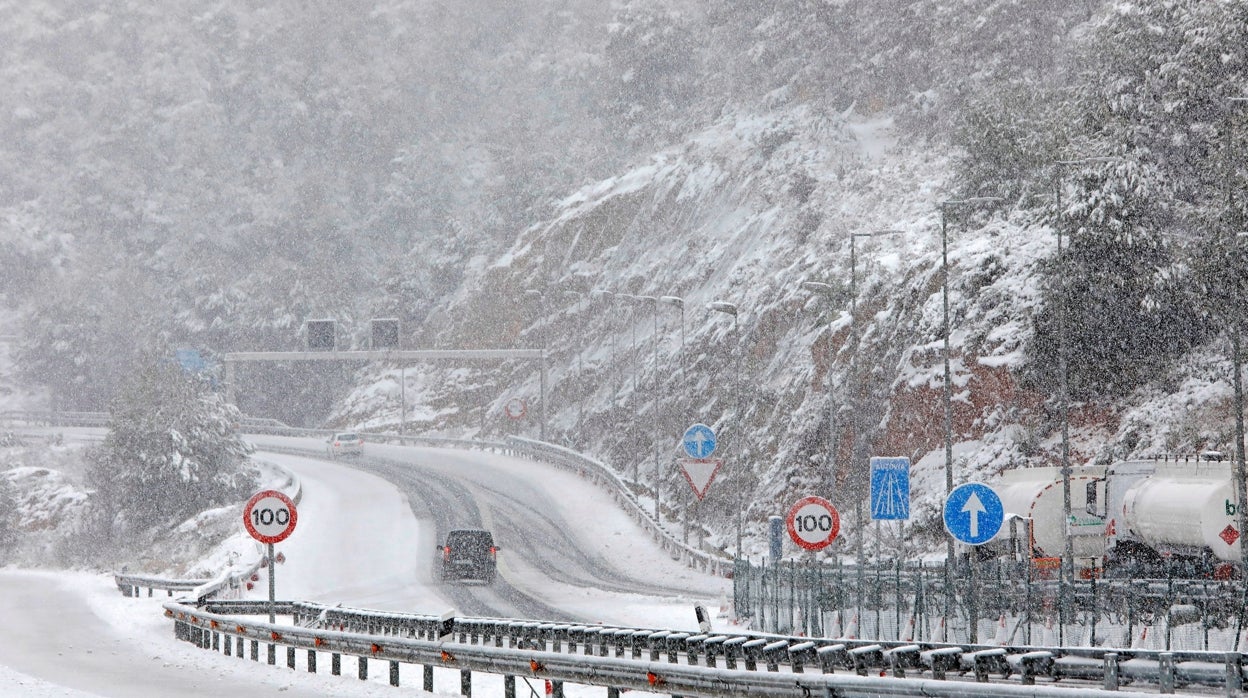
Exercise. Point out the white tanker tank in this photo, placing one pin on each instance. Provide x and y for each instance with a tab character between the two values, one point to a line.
1037	494
1176	508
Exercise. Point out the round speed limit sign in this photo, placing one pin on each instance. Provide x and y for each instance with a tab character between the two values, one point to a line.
270	516
813	523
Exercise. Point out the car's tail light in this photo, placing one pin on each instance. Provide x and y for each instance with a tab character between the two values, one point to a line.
446	553
493	551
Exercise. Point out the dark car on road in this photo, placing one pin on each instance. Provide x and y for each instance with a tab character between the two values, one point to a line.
469	553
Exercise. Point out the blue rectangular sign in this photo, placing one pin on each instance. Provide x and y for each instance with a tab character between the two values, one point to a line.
890	489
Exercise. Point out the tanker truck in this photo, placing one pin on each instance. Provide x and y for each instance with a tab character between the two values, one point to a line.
1181	514
1032	499
1129	519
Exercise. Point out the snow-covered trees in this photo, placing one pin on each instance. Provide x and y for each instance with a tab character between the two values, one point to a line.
171	451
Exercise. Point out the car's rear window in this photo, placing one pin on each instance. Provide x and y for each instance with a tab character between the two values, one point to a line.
348	437
470	538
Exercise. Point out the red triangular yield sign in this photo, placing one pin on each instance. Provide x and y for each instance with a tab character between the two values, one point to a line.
700	472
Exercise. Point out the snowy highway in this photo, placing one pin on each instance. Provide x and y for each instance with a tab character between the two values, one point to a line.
363	541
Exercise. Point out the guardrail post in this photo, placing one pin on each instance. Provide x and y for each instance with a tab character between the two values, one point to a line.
335	664
216	641
394	673
465	683
612	692
1165	665
228	648
272	654
828	657
238	648
290	657
732	647
1234	673
753	650
363	668
428	680
255	650
1111	671
772	652
311	661
556	689
509	686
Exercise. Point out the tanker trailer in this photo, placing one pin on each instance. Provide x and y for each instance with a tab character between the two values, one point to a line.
1185	511
1037	494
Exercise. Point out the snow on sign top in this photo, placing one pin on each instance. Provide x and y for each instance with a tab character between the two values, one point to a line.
270	516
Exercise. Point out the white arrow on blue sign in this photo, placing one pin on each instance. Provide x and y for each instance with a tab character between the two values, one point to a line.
973	513
699	441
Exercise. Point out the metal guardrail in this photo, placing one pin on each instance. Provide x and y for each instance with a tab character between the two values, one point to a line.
700	666
603	475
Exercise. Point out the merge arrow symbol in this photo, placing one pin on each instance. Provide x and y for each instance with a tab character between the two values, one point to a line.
974	507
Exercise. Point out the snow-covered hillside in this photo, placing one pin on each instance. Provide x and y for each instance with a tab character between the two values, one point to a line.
744	213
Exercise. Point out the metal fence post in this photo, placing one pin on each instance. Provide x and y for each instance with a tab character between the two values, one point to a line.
1165	665
1234	673
1111	671
363	668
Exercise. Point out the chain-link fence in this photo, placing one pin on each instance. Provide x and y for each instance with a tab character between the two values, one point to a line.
999	601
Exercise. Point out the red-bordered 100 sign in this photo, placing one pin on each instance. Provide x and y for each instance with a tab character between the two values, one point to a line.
813	523
270	516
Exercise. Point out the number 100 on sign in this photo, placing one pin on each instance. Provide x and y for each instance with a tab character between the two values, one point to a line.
813	523
270	516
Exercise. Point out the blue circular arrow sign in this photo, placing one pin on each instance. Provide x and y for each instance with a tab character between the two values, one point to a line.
699	441
973	513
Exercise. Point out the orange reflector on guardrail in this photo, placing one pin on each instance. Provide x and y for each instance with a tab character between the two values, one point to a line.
654	679
277	637
535	665
375	648
318	642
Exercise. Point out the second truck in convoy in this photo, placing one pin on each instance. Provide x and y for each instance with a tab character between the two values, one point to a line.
1132	518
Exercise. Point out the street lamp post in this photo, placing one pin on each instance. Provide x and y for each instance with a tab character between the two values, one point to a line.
948	391
654	417
679	304
1068	552
541	302
739	431
1241	478
826	290
580	385
606	296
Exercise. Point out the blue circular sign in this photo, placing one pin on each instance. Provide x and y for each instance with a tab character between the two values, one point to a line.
973	513
699	441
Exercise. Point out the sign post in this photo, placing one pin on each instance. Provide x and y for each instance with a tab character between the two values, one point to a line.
813	523
270	517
